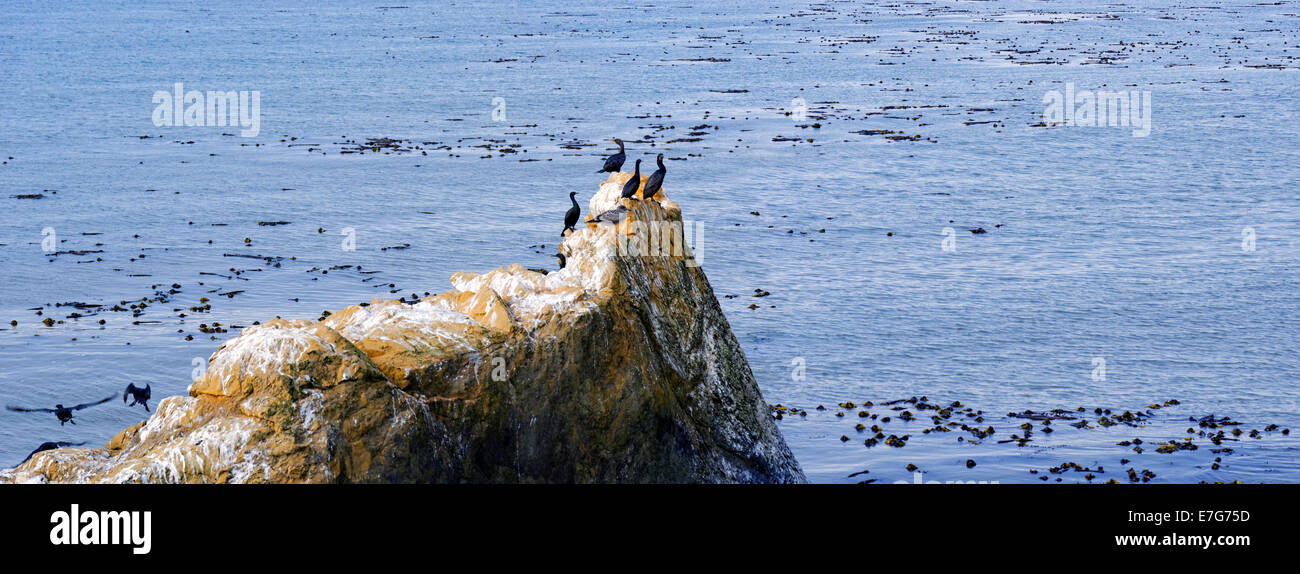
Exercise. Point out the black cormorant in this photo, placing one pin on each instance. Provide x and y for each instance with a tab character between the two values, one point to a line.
138	395
51	446
656	179
571	216
614	163
629	188
64	413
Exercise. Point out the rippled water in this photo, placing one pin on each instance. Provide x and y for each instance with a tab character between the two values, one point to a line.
1100	245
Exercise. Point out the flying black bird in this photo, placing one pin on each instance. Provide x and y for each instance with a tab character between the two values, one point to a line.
50	446
656	180
629	188
562	259
614	163
64	413
571	216
138	395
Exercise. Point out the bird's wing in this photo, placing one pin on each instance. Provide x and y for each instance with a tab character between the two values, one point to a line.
130	389
612	216
656	179
29	457
99	402
26	410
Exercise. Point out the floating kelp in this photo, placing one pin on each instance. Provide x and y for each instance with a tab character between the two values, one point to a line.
1028	423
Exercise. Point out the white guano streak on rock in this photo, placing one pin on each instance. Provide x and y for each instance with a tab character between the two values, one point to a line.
260	347
182	442
430	318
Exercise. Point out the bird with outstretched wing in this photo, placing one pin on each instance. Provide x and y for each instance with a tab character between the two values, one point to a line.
51	446
64	413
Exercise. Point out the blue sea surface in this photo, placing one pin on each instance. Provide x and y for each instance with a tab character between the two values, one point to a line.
837	155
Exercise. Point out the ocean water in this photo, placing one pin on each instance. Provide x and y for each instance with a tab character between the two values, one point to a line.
836	155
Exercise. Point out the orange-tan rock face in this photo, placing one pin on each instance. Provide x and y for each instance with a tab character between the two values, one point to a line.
619	368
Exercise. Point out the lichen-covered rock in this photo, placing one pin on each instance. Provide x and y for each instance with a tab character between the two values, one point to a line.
619	368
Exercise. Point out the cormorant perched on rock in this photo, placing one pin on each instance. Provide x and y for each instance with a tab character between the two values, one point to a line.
629	188
50	446
64	413
562	258
614	163
656	180
138	395
571	216
613	216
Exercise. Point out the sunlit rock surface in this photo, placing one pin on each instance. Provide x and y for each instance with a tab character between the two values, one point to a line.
619	368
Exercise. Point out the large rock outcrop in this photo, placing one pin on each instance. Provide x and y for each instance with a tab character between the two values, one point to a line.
619	368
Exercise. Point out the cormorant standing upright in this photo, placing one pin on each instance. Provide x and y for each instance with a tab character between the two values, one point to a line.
571	216
139	396
614	163
629	188
64	413
656	180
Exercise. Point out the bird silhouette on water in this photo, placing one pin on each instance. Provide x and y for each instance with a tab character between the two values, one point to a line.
629	188
51	446
614	163
571	216
656	179
64	413
139	396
